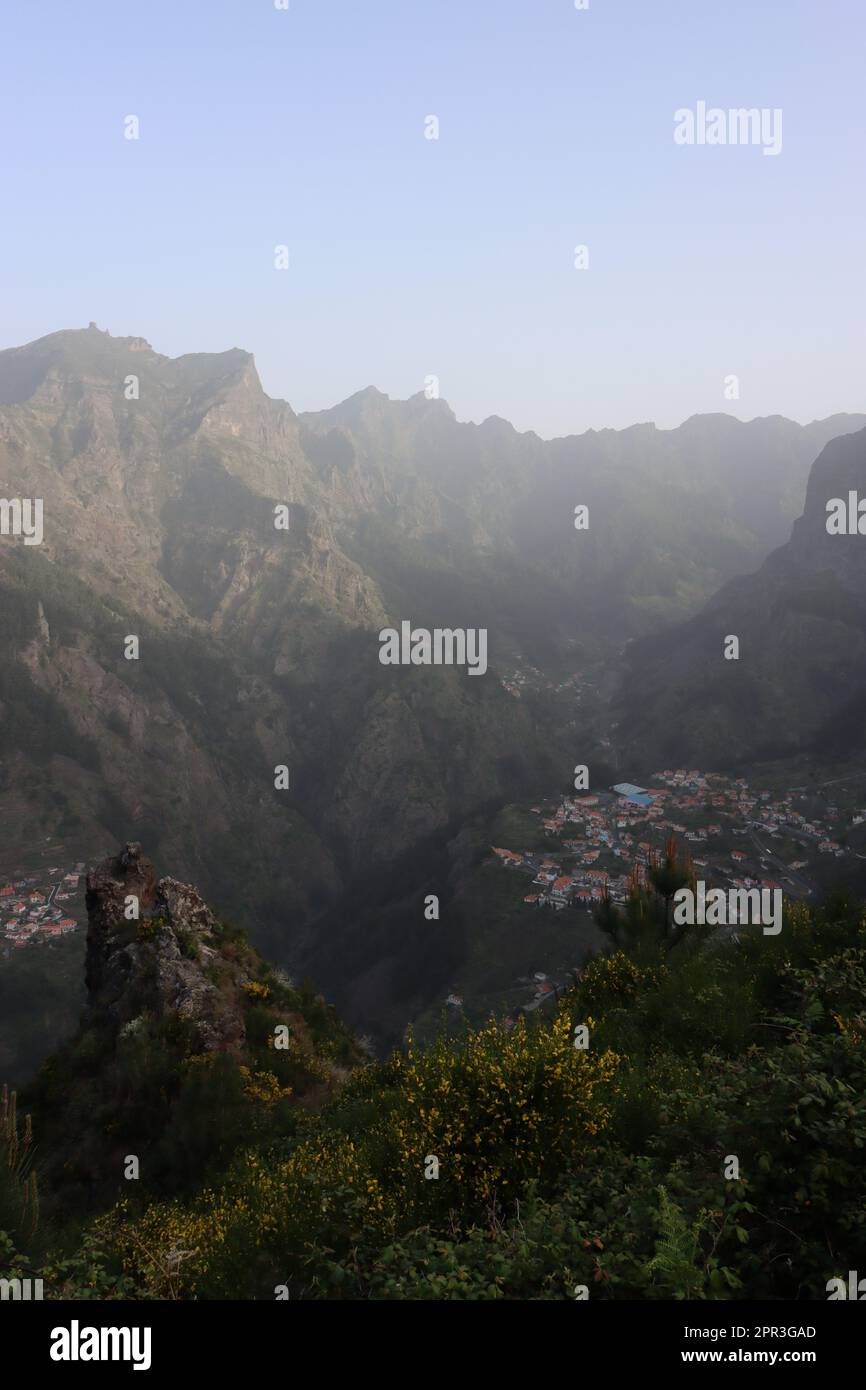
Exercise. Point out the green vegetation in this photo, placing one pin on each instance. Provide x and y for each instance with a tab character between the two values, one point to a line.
153	1090
514	826
611	1167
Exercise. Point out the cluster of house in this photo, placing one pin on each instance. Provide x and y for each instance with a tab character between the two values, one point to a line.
533	679
557	887
761	811
630	823
596	845
33	910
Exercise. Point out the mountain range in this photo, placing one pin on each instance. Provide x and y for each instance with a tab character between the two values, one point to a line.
258	647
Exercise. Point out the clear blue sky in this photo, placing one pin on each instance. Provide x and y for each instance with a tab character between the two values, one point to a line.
453	257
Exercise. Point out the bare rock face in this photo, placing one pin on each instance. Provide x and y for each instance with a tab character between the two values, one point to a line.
156	963
183	906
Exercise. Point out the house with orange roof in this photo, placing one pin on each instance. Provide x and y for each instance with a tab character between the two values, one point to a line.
561	888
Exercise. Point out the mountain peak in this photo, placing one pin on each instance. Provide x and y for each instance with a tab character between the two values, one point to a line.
71	353
421	401
369	395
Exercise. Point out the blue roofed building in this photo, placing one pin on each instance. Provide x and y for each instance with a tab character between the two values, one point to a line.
632	793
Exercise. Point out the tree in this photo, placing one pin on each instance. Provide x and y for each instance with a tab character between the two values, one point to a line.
668	875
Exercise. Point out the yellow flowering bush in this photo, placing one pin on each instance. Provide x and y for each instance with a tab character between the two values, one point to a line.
263	1086
253	990
495	1109
295	1052
272	1211
617	980
854	1029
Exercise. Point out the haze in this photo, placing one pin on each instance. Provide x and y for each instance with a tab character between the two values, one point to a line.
412	258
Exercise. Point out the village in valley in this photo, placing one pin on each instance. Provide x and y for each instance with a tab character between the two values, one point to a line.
40	904
565	854
735	836
43	930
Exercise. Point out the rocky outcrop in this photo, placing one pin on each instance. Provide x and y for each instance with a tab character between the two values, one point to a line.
149	945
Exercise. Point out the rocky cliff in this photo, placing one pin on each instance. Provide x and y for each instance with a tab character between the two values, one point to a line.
157	960
190	1044
798	685
258	647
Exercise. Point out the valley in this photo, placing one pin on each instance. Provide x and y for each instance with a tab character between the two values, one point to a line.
260	648
533	899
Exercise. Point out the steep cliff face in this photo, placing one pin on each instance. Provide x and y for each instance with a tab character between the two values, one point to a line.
150	943
190	1044
191	462
799	683
257	646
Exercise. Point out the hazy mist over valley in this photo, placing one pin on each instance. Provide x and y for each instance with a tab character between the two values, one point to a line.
434	853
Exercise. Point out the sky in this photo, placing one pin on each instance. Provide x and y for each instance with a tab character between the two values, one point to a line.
411	258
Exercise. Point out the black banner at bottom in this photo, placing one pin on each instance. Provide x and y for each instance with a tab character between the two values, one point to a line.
219	1338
